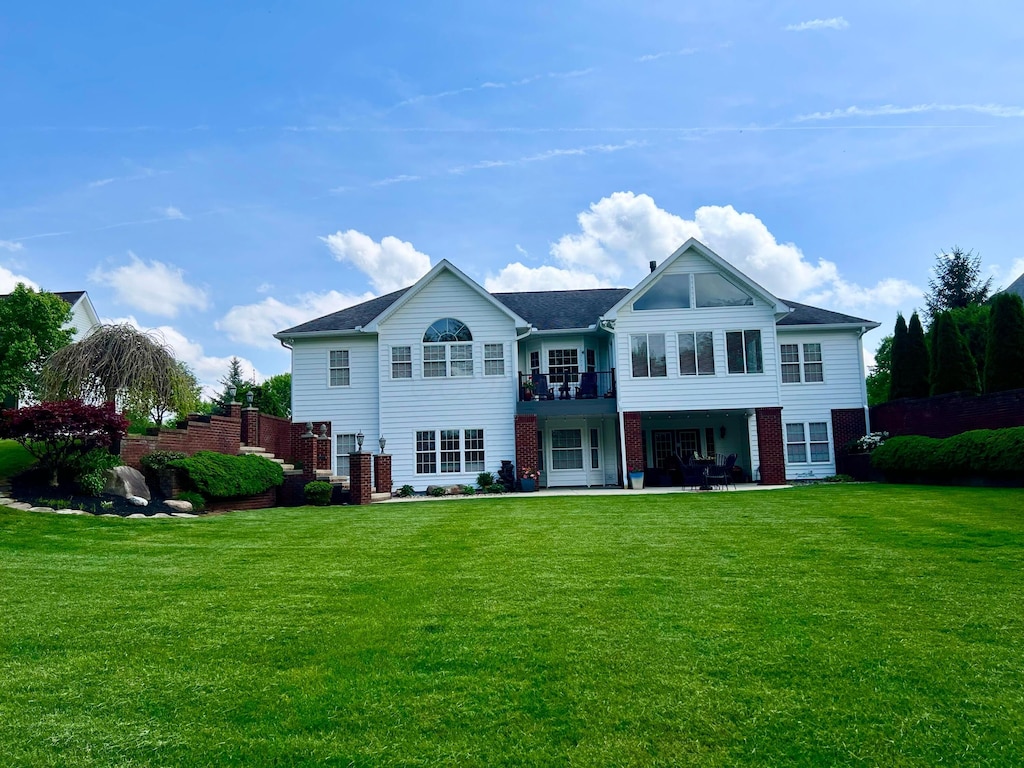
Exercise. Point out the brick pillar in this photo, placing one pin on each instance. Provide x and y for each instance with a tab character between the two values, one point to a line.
323	449
235	411
307	455
770	446
360	483
527	452
847	425
382	472
250	426
634	440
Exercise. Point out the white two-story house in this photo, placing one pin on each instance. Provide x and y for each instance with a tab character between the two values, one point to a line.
582	385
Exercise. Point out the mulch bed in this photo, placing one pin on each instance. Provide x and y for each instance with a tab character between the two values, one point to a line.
63	497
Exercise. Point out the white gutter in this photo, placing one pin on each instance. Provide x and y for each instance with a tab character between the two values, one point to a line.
622	448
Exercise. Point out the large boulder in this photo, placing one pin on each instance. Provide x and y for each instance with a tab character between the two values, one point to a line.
126	481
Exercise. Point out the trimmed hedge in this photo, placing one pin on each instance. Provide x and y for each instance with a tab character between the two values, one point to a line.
318	493
220	476
995	455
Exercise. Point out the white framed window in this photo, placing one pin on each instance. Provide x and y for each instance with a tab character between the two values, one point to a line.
446	349
647	353
338	371
743	352
462	359
344	444
494	359
566	449
801	359
563	366
435	360
401	362
696	353
807	443
449	451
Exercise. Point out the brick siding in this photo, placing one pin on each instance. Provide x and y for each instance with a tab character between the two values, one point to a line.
360	480
948	415
527	451
770	446
382	472
634	440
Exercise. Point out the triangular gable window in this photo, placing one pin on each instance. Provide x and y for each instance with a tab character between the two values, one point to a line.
713	290
670	292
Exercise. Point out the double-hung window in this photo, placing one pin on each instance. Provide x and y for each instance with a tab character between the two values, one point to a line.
447	350
797	358
339	373
449	451
743	352
647	352
401	362
807	442
494	359
696	353
344	444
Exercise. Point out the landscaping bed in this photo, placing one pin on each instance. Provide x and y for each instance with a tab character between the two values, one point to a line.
25	490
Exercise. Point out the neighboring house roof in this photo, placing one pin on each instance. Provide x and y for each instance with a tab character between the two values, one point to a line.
804	314
1017	286
70	297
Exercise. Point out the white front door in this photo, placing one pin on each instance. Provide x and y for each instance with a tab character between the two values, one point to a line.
572	453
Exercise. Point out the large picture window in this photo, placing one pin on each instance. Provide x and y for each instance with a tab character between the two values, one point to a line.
563	366
339	373
697	353
801	362
566	449
807	442
743	352
449	451
647	352
445	351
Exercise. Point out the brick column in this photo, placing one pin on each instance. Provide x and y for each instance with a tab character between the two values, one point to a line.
235	411
527	452
323	449
770	446
634	440
360	487
307	455
382	472
847	425
250	426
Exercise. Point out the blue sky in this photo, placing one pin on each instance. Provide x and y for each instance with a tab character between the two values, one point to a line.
221	173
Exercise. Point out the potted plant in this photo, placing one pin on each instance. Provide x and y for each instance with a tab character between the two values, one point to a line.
636	477
530	478
528	389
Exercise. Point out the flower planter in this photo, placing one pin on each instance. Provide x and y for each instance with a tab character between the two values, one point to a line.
528	485
636	480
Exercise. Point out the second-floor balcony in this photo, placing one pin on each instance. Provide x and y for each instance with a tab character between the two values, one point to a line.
588	385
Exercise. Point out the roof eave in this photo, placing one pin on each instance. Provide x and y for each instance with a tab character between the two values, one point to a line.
866	325
285	335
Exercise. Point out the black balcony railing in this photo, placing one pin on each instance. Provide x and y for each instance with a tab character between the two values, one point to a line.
567	386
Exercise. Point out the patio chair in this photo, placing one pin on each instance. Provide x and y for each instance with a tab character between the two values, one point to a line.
693	475
721	474
541	390
587	390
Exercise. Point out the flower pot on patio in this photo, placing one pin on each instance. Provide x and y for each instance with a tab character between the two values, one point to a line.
636	480
529	485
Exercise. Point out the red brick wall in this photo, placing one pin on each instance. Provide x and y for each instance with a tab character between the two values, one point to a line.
526	443
847	425
360	481
222	434
382	472
259	501
634	440
770	446
947	415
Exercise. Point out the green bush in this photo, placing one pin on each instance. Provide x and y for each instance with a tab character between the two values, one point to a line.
485	480
158	460
89	470
195	499
495	488
468	490
220	476
406	491
438	490
318	493
984	454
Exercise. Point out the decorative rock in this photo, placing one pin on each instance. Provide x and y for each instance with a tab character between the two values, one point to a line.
180	506
41	509
138	501
8	502
160	514
136	515
126	481
183	514
20	505
71	512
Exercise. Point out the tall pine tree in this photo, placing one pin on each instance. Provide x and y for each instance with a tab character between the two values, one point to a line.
916	360
952	367
898	381
1004	351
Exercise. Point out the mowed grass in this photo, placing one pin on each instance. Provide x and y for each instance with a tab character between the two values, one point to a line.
13	459
846	625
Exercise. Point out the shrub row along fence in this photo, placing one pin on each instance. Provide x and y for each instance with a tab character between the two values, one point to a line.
977	457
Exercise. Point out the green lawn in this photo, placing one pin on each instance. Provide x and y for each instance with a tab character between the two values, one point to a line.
827	625
13	459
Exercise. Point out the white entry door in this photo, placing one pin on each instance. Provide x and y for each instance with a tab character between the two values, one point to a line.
572	450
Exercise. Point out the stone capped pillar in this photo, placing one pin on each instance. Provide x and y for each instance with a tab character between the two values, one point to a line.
323	449
308	454
235	411
527	451
250	426
771	447
360	480
382	472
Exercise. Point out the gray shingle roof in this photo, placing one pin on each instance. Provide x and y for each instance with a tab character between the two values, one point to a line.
804	314
69	296
551	310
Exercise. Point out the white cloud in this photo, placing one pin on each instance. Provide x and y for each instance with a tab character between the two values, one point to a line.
400	179
490	85
548	154
9	281
102	182
170	212
620	234
517	277
209	369
991	110
663	54
255	324
837	22
155	287
10	245
390	264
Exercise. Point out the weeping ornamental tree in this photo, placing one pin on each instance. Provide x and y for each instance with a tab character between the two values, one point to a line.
115	364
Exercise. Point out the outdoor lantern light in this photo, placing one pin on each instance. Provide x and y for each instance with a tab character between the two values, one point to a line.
248	398
359	439
231	393
382	441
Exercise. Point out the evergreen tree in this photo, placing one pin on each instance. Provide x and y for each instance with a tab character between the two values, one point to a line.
957	282
234	378
1004	353
972	322
952	367
916	360
900	374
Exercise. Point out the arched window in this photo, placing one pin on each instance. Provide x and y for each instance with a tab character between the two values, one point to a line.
447	349
447	329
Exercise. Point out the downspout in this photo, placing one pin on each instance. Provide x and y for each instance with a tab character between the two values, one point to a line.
863	380
622	447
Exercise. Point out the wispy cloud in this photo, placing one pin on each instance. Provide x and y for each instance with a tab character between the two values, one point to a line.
837	22
991	110
171	212
549	154
102	182
142	173
400	179
489	85
10	245
663	54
